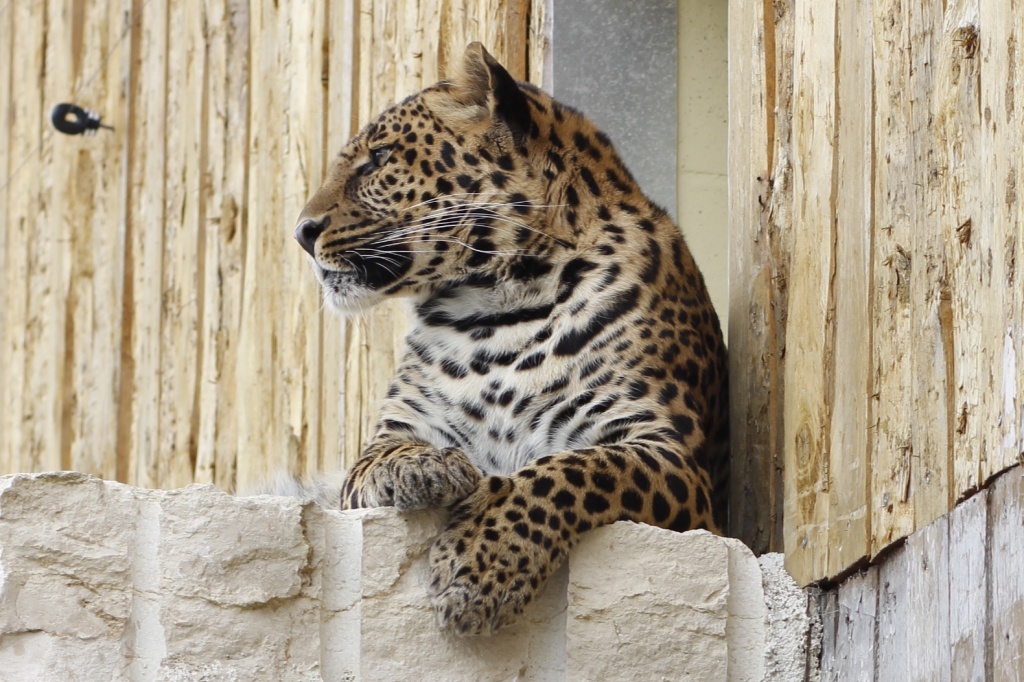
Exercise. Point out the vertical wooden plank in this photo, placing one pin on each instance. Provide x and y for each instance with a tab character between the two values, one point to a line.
1002	199
951	195
539	40
892	514
855	640
180	349
1006	556
299	303
6	168
849	512
761	190
97	193
1015	8
48	262
259	433
967	589
894	613
749	513
973	297
809	334
225	195
928	607
26	140
139	420
828	607
929	344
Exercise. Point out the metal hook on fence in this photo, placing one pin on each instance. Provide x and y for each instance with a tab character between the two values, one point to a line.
80	121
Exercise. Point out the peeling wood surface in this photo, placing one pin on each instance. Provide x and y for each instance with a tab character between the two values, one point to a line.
761	186
876	319
946	605
158	325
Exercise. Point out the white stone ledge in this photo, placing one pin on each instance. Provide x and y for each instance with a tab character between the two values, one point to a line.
102	581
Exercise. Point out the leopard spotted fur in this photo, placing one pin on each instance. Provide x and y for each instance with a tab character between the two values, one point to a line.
565	367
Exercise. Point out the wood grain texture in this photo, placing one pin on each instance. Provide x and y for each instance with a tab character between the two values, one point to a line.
895	377
849	511
1006	556
139	441
1001	51
760	180
7	168
892	515
968	580
224	192
930	361
949	601
857	617
809	335
97	193
26	137
892	644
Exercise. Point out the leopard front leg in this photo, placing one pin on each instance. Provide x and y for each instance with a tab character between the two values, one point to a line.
408	476
505	539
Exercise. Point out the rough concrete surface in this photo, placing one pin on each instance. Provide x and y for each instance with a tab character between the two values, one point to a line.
102	581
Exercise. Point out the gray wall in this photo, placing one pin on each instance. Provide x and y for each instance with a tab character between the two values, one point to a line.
616	62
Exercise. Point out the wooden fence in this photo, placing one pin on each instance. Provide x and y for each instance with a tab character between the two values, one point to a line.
877	225
158	325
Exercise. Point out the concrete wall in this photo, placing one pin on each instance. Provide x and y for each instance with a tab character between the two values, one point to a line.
102	581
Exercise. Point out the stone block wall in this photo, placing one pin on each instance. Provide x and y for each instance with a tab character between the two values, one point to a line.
102	581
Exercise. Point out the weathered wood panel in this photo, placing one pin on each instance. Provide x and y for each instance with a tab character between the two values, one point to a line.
895	380
158	324
1006	575
807	412
6	169
224	192
96	196
760	182
27	138
946	605
968	582
849	618
849	510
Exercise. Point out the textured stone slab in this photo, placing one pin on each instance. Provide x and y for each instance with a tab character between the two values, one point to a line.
630	585
101	581
391	633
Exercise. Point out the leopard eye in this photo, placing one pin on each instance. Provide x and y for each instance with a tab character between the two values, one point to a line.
379	156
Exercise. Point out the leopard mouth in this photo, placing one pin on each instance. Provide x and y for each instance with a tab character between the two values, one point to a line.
366	267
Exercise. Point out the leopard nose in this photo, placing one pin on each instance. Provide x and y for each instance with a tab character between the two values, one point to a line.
307	232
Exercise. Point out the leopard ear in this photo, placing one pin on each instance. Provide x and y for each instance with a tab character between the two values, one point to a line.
485	82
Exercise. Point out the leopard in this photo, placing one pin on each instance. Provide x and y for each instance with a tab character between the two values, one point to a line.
564	369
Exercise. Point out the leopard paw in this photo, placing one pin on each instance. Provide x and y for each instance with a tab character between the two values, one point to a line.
492	559
411	477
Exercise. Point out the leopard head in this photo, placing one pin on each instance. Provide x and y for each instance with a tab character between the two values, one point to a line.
440	189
